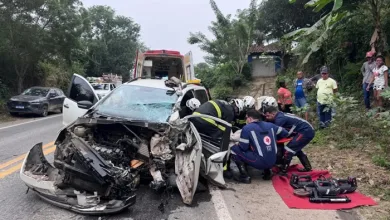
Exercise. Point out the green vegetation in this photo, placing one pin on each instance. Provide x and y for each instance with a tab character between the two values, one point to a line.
335	33
43	42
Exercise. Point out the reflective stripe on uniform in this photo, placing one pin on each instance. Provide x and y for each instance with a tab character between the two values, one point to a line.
280	129
211	121
241	122
300	119
254	136
245	141
289	150
219	113
291	130
273	135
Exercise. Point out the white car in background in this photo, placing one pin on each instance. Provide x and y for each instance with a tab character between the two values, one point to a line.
102	89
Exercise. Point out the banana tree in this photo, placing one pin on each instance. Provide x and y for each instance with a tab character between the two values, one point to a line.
325	25
328	22
233	37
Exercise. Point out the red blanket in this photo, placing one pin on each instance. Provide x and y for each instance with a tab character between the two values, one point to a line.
283	188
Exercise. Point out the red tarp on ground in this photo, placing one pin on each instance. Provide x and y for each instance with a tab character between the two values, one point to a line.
283	188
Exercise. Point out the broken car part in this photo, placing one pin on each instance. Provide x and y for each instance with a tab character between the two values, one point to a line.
98	164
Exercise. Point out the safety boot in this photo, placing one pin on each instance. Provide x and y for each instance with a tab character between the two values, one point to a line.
244	177
227	173
267	174
285	166
280	154
305	162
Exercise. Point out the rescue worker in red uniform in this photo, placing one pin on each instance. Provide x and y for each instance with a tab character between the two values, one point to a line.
257	147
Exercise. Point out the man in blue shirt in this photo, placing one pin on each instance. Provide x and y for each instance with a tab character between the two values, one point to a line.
257	147
300	130
302	86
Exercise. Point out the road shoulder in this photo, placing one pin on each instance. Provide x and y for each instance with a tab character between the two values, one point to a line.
259	200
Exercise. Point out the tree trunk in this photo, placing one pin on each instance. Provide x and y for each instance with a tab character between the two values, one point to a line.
20	84
377	42
20	73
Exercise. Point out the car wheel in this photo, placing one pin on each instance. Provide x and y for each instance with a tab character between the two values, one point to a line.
14	113
45	111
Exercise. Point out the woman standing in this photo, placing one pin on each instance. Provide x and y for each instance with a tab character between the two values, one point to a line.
380	80
284	98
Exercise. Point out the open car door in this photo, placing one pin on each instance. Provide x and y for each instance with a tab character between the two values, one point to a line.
189	67
215	153
79	90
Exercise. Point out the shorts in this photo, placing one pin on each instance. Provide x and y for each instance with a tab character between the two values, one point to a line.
301	102
379	87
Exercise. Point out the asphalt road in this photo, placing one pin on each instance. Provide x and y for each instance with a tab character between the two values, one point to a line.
240	201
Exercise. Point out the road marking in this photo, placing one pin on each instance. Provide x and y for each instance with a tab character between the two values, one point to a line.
17	167
21	157
219	204
28	122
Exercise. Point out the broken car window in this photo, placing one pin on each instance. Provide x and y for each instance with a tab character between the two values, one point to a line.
138	103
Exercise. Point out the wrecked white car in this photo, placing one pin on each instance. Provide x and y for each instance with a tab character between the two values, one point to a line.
134	132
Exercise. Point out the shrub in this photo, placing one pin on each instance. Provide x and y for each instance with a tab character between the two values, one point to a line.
222	92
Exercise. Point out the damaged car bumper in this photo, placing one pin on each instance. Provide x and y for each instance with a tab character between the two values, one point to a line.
99	163
40	176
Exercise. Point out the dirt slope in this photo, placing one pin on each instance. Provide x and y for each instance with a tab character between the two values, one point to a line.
259	86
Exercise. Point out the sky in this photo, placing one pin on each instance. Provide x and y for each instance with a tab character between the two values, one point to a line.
166	24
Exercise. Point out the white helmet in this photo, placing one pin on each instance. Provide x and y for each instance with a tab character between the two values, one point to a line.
249	101
239	104
268	101
193	104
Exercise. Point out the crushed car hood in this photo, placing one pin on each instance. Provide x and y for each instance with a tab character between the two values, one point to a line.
98	163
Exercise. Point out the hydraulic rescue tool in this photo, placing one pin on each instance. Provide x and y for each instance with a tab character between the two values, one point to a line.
323	190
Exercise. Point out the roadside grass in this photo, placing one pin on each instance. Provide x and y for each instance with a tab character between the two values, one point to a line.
373	180
357	145
4	115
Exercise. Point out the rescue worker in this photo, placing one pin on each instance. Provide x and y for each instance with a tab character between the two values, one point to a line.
299	129
257	146
219	109
249	103
266	101
191	106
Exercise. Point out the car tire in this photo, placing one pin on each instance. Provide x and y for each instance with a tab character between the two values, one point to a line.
45	111
14	114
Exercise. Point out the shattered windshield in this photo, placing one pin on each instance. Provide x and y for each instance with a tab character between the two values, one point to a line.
36	92
139	103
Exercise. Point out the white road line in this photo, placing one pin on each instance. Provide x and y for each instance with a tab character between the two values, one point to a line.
11	126
219	204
